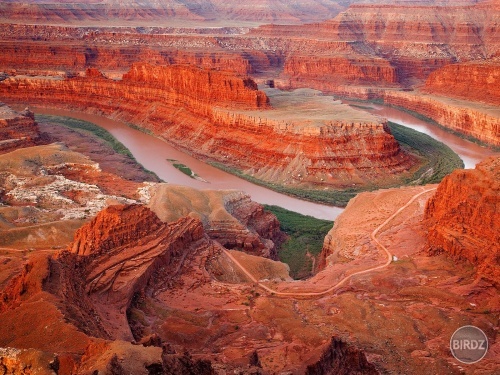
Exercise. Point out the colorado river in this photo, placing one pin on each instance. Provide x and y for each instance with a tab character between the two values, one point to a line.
471	153
153	153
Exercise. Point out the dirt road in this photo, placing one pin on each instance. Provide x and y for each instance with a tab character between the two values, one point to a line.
373	237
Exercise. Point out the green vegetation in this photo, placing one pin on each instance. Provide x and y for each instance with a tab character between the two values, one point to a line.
439	160
305	241
360	106
91	129
331	196
183	168
142	130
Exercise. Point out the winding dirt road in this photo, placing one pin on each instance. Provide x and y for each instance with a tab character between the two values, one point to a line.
341	282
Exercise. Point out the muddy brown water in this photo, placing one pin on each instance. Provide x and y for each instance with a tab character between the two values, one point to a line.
153	153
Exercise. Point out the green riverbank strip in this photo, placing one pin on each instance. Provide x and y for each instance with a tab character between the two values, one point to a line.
305	240
438	160
89	128
332	197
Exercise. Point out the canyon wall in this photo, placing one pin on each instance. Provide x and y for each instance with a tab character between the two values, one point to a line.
17	129
396	43
464	220
469	81
479	121
369	43
224	117
338	69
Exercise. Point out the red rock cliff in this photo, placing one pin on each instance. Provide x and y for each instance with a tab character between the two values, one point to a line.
331	70
121	249
17	129
470	81
464	218
394	43
469	118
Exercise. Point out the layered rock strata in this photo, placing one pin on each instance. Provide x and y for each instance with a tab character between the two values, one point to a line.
121	249
229	217
327	71
17	129
464	220
480	121
470	81
225	118
379	44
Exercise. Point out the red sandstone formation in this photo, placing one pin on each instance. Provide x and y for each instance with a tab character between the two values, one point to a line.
469	81
229	217
478	120
464	220
17	129
121	249
200	85
224	117
409	42
326	71
114	227
372	43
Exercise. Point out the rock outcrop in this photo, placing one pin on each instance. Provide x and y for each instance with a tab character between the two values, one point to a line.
327	71
121	249
469	81
17	129
229	217
225	118
464	220
340	358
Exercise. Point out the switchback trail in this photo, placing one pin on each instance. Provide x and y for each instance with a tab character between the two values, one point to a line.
341	282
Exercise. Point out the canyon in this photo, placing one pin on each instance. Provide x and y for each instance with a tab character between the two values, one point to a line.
106	269
212	114
167	288
366	51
